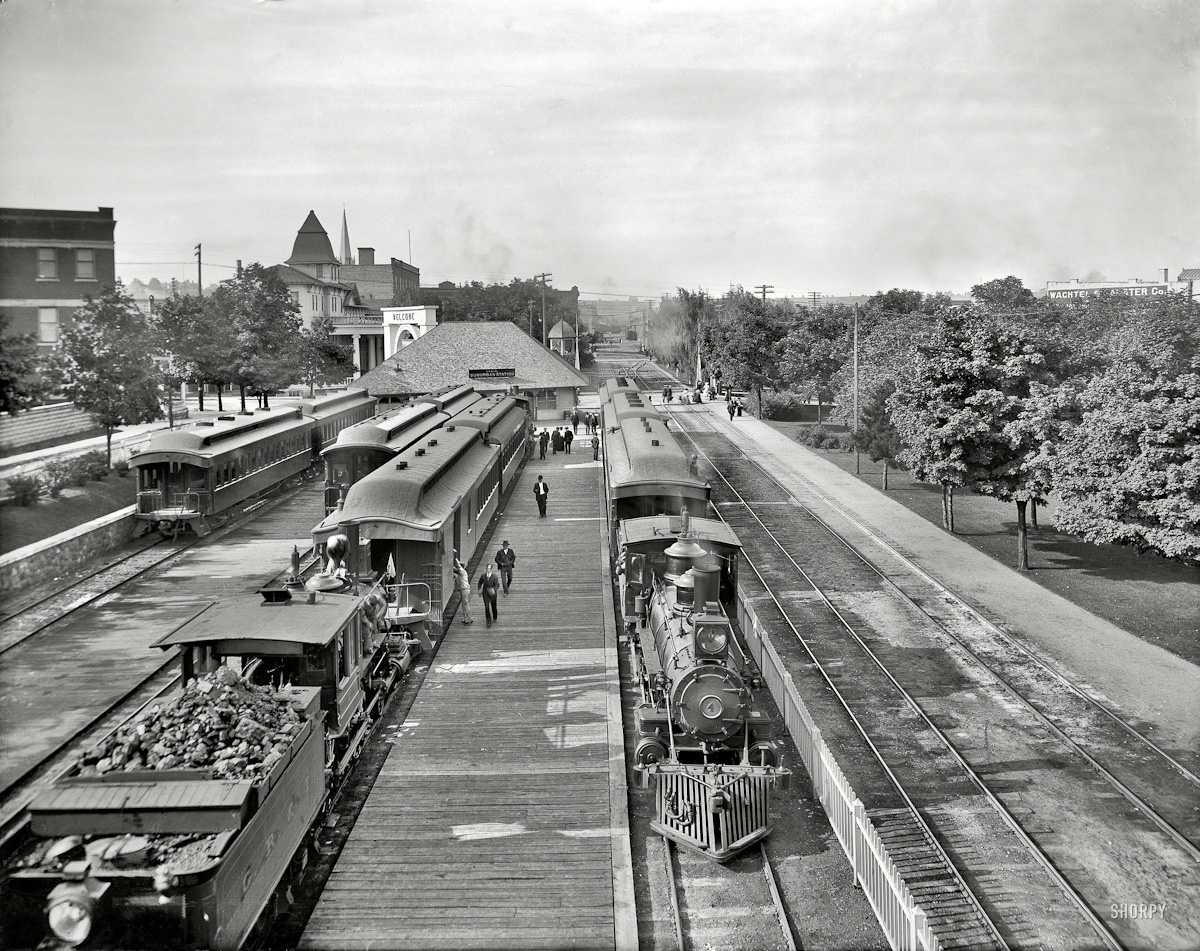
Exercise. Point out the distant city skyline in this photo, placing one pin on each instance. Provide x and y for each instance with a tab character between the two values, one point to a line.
627	148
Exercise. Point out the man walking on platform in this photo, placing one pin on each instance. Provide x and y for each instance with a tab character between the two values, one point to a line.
567	437
574	422
543	442
541	491
489	581
595	448
462	581
505	559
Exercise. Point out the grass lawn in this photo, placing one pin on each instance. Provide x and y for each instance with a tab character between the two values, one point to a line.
1147	595
24	525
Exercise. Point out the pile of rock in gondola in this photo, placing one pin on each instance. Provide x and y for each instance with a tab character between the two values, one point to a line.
219	723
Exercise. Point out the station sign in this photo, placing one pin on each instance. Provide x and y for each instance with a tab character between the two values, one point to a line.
492	374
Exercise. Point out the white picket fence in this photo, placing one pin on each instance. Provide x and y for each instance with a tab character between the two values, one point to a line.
903	921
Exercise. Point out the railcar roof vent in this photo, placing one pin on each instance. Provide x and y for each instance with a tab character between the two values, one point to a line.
402	464
421	451
227	419
653	442
275	595
433	442
450	428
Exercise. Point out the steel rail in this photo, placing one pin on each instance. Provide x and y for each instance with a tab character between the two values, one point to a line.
85	600
1133	798
993	629
1068	890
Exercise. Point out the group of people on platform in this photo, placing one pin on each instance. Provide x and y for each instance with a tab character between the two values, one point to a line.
496	576
561	438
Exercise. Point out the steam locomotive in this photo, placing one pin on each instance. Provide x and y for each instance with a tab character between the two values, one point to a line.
704	740
184	827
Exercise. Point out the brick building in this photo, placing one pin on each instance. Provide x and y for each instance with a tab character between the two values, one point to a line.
49	261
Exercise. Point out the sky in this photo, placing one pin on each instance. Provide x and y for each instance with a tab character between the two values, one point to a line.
626	148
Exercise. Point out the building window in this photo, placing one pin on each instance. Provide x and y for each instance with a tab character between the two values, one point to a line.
85	264
47	264
295	297
47	325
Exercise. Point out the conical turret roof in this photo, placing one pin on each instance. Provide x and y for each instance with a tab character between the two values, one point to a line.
312	244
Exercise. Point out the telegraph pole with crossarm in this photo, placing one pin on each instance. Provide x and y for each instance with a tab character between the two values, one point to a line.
543	278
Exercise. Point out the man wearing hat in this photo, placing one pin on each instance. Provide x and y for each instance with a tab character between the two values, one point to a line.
505	559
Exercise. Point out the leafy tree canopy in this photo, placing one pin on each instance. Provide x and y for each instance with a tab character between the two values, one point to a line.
519	302
20	384
1004	293
105	362
1129	473
741	340
322	359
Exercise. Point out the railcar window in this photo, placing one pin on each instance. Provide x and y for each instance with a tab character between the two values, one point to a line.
314	658
637	564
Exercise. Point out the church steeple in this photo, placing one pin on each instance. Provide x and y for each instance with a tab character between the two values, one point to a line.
347	257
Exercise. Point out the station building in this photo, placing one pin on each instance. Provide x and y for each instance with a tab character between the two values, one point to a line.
49	261
493	356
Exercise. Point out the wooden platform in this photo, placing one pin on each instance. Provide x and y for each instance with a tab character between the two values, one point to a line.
499	818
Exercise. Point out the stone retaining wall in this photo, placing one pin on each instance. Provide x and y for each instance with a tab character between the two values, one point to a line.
40	423
55	556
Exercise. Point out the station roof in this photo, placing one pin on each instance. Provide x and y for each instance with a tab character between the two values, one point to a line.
447	353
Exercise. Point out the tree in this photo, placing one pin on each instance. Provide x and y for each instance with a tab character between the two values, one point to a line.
196	347
322	359
519	302
1129	473
876	434
815	349
105	363
741	341
20	384
265	323
1004	293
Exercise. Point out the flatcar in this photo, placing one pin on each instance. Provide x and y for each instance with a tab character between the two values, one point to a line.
705	740
186	477
185	826
432	499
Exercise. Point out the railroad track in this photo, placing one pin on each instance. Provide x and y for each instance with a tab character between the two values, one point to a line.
46	608
35	757
733	906
928	683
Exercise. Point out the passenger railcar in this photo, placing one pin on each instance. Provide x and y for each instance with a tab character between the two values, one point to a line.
192	856
185	477
433	498
704	740
646	470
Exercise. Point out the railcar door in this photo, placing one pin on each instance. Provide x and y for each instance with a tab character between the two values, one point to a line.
186	488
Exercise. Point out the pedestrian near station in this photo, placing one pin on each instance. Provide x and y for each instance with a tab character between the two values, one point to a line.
574	423
595	448
541	492
543	442
732	407
568	437
489	584
506	558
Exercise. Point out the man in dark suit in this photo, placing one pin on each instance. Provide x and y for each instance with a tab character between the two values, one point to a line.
541	491
505	559
489	582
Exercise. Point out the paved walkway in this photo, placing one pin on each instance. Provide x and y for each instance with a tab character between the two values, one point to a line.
1142	681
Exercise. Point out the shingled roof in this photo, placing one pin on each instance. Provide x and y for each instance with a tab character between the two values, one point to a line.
445	355
1189	274
312	244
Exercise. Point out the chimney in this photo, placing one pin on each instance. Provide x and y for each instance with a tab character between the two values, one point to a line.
366	257
1166	271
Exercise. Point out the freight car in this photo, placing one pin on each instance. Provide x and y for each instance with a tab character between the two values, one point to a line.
186	477
184	827
705	741
408	516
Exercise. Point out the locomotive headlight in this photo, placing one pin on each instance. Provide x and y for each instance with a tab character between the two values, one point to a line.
71	910
711	639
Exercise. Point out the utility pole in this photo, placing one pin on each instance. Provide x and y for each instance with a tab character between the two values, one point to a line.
199	277
813	297
531	318
854	428
763	289
543	278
